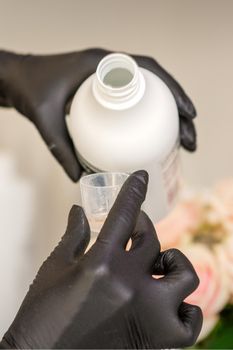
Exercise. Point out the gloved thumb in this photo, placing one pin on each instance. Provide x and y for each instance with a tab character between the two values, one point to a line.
75	240
188	137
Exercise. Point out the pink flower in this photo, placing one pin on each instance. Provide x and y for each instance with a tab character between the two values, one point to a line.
212	293
184	218
225	252
202	227
224	191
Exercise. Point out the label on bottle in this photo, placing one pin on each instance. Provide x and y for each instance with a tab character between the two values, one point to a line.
171	174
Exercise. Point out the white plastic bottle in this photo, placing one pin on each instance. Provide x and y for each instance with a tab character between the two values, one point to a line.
124	118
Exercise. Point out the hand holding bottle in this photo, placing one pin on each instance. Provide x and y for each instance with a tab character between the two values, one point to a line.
41	88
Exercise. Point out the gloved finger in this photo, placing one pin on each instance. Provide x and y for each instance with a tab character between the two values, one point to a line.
192	318
55	134
4	98
184	104
145	244
179	275
4	102
188	137
62	149
75	240
122	218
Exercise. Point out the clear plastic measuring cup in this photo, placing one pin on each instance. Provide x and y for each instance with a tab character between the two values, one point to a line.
99	192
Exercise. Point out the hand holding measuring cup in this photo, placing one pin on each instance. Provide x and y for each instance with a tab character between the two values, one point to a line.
106	298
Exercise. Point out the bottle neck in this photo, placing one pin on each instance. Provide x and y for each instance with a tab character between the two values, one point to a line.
118	83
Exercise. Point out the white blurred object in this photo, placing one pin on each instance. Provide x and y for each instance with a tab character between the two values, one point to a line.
16	213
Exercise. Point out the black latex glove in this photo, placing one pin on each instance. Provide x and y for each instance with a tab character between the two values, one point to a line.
41	87
107	298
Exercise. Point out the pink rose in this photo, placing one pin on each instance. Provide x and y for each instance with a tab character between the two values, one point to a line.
225	252
224	191
184	218
213	292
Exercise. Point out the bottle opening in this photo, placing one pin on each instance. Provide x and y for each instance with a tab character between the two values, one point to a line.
116	71
118	77
118	83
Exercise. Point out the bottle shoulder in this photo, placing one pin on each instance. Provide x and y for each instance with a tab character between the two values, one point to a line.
157	105
147	130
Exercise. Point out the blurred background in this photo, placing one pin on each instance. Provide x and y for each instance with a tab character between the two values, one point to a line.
191	39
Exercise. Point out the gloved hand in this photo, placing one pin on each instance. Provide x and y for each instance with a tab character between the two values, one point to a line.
107	297
41	87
